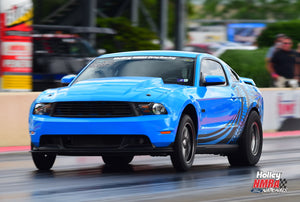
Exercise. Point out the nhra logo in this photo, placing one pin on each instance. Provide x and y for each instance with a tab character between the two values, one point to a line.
269	182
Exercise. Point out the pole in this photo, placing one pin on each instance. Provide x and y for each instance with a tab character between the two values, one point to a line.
134	12
163	23
92	14
179	27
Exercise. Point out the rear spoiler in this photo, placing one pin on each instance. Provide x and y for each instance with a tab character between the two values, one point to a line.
248	81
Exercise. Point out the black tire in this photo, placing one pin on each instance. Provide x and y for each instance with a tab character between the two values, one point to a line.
250	143
185	144
117	160
43	161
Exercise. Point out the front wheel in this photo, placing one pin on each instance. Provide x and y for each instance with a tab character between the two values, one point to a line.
43	161
250	144
185	143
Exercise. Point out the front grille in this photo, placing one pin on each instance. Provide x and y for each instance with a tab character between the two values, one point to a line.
93	109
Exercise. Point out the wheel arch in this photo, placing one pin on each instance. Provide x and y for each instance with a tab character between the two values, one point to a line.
191	111
256	110
259	114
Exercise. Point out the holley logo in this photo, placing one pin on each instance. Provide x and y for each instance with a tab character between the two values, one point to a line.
269	182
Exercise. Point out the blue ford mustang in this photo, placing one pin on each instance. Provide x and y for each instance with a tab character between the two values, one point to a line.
154	103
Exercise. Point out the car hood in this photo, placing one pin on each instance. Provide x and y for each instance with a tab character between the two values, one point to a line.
138	89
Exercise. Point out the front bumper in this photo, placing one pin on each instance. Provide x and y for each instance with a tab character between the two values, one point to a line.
149	126
159	151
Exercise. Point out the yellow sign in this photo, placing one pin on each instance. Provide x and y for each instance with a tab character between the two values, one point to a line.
16	82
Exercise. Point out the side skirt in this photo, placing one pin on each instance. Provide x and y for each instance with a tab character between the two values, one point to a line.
222	149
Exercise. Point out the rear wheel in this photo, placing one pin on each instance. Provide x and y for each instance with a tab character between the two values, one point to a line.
117	160
43	161
184	147
250	144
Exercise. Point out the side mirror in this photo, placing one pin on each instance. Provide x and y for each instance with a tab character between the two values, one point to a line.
212	80
66	80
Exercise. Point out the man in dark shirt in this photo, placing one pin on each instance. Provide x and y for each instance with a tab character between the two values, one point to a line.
283	65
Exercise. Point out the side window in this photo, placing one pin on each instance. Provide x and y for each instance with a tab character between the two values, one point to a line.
211	67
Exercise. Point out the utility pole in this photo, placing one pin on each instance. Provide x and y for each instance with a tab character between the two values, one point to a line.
91	19
163	23
135	12
179	27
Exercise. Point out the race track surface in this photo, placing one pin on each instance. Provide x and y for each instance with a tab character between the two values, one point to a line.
149	178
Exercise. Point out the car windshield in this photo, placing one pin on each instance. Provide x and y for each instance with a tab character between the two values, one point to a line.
173	70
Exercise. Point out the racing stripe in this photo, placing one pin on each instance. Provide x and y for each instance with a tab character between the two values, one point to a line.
226	136
214	140
226	132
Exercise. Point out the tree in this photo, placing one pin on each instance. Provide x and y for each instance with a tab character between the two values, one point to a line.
250	9
290	28
42	8
128	38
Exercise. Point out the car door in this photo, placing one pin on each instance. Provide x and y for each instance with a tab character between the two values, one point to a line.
219	106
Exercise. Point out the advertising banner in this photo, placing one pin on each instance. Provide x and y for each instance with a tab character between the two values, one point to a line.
244	32
282	109
207	34
16	45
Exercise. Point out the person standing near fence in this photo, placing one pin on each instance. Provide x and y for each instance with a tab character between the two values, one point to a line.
271	51
276	46
283	65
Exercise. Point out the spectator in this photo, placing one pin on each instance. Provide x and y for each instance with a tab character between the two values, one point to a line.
272	50
283	65
298	62
277	44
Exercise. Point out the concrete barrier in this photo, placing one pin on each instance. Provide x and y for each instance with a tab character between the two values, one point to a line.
14	109
282	110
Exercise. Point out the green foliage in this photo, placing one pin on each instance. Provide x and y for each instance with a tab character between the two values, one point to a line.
251	9
42	9
250	64
153	8
290	28
128	38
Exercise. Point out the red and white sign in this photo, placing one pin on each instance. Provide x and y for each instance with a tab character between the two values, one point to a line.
16	56
17	48
15	42
280	106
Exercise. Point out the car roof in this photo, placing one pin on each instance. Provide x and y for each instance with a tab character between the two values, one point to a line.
155	53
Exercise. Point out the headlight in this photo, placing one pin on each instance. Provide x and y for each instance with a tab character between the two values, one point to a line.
158	109
151	108
42	109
